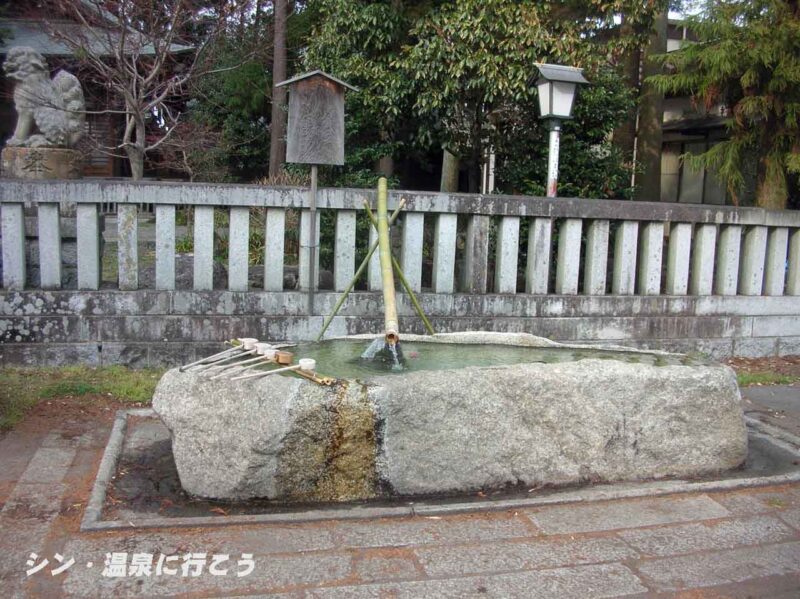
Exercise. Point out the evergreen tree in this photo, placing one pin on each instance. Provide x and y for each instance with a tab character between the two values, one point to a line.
747	58
459	76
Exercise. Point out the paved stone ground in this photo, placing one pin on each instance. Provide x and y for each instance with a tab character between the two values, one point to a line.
733	544
778	405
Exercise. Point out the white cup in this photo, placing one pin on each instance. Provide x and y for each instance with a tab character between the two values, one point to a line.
262	348
270	353
248	343
307	364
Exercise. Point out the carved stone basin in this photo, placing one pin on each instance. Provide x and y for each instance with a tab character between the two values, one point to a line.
599	416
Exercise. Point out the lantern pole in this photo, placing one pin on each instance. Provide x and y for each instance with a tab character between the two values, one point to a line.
312	236
554	125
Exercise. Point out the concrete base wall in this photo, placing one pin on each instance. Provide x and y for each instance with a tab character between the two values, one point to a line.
164	328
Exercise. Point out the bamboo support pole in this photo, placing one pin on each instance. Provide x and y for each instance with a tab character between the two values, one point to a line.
391	328
359	272
404	282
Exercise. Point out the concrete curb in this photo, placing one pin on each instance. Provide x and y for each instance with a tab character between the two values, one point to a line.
92	520
106	471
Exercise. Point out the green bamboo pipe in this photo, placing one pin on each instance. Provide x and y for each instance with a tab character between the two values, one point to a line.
359	272
404	282
390	326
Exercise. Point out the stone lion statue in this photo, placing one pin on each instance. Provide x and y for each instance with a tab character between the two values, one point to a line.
55	108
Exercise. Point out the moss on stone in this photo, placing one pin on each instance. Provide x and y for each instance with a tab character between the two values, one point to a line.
350	473
330	456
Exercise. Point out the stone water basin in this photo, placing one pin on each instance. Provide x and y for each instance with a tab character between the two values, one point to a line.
472	411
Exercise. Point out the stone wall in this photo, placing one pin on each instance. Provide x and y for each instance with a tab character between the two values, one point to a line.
162	328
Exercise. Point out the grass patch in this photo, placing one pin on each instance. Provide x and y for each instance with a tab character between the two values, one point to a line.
747	379
21	388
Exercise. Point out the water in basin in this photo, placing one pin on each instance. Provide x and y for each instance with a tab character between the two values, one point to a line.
342	358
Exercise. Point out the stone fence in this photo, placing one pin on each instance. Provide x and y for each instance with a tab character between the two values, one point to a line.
719	280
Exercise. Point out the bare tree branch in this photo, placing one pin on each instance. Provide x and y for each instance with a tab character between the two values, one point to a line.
145	54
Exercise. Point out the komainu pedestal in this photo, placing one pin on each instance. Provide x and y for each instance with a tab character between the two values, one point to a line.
41	163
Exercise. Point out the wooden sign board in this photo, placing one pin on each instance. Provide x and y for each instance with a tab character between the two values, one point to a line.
316	119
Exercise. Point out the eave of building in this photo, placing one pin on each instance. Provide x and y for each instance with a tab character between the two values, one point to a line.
35	34
691	125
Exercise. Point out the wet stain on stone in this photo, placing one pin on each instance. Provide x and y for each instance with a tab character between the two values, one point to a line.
350	473
331	454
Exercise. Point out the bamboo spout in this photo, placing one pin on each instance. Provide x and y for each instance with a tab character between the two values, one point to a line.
391	327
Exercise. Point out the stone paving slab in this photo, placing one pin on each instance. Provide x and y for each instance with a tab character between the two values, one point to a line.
16	450
382	567
626	514
776	397
430	530
696	571
484	557
41	501
48	465
706	536
792	517
758	501
608	580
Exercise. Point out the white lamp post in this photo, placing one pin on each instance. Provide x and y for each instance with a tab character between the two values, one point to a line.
556	86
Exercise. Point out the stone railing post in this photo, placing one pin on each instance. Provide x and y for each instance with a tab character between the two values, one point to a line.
651	250
754	251
165	247
128	246
13	228
569	256
507	250
274	232
726	278
49	245
203	248
344	257
537	270
444	253
89	231
678	256
705	243
775	273
594	273
625	248
411	249
239	248
476	254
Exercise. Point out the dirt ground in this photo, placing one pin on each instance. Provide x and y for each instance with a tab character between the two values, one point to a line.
784	365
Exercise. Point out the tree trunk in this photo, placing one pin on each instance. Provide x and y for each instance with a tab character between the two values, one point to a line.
772	191
449	180
136	152
385	166
651	116
277	134
625	133
136	160
474	178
